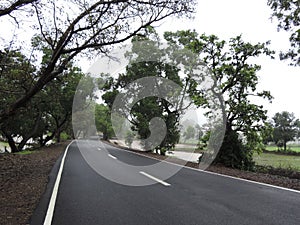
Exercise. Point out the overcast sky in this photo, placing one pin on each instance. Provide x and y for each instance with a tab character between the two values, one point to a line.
251	19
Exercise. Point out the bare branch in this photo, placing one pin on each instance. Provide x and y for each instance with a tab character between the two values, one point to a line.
6	10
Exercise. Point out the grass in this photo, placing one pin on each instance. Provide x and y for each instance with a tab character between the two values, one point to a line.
3	144
289	148
278	161
24	152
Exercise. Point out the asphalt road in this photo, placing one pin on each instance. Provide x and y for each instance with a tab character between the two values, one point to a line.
189	197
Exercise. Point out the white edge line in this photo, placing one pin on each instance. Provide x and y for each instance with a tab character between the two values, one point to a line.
51	206
213	173
156	179
111	156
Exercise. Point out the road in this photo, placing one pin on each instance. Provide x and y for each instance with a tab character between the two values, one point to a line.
189	197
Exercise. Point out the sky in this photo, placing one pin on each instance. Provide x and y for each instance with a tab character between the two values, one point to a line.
230	18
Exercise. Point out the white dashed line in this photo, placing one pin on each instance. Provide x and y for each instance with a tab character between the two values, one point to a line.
215	174
154	178
111	156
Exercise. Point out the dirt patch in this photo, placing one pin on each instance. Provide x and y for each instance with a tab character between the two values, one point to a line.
23	179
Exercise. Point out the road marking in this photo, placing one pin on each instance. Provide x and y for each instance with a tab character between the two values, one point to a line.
111	156
213	173
154	178
51	206
99	149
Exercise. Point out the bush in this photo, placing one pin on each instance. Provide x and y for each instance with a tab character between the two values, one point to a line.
233	153
64	136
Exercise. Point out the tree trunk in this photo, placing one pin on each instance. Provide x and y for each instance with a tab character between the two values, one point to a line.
58	135
284	145
48	138
23	143
11	143
105	136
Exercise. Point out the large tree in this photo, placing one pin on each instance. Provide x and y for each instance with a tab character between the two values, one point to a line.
236	76
47	114
69	28
288	14
285	127
154	63
150	107
7	7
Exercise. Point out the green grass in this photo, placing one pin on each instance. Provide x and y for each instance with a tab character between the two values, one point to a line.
3	144
290	147
25	152
278	161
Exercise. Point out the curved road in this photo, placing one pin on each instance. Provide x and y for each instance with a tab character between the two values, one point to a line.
189	197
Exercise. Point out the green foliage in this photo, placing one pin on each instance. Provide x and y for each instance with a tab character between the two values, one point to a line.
150	107
235	74
233	153
287	12
203	142
90	27
17	75
189	133
47	113
64	136
103	121
285	128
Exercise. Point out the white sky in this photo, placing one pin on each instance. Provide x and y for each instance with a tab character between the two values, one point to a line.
251	19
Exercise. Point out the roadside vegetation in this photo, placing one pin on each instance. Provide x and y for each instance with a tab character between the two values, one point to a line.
290	149
288	162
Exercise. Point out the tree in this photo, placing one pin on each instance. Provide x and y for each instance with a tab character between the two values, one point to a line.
153	106
149	107
58	102
103	121
68	28
47	114
237	78
285	128
287	12
7	7
17	74
189	132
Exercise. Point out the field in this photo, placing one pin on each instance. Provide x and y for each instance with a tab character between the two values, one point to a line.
2	145
294	148
278	161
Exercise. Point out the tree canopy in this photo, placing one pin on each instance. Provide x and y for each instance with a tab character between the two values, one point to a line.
285	127
288	14
230	63
69	28
103	121
47	114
